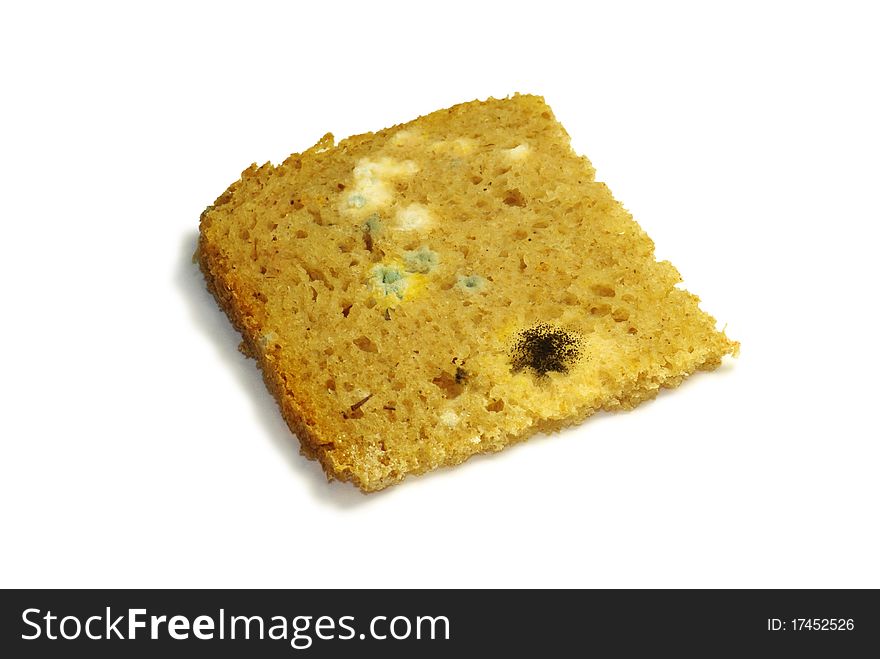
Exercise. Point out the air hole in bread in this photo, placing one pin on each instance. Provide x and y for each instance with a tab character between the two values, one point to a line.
496	405
448	384
514	197
365	344
316	274
603	290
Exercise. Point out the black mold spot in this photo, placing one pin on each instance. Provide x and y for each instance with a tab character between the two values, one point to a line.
460	375
545	348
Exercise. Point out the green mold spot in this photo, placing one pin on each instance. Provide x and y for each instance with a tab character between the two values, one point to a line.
421	260
371	227
471	283
390	280
373	224
357	200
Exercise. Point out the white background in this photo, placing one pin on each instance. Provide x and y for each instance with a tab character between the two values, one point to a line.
139	448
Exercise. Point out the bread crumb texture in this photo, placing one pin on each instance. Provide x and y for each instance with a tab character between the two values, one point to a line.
446	287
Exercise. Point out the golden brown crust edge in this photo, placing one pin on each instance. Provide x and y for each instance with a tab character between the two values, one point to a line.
300	419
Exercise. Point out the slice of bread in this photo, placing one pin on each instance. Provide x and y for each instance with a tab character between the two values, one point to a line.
446	287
